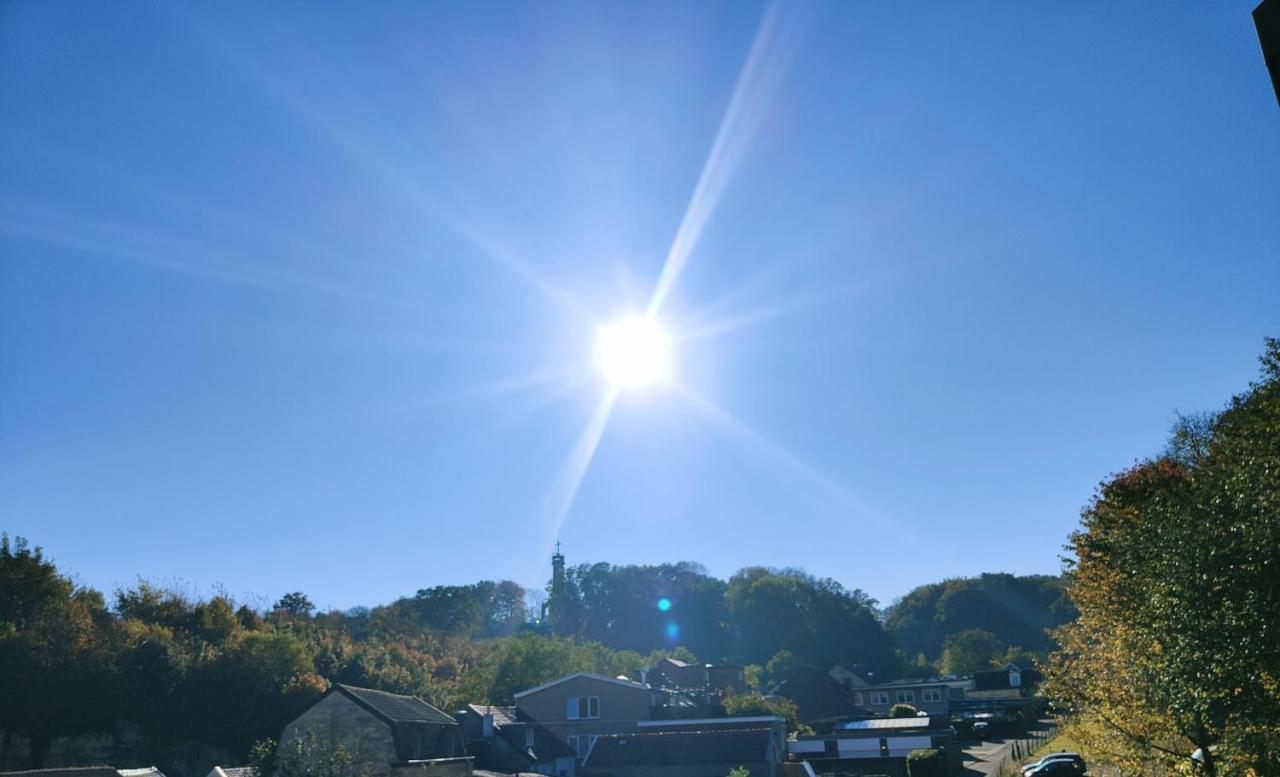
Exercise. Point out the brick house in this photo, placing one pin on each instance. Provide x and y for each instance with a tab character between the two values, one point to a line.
401	736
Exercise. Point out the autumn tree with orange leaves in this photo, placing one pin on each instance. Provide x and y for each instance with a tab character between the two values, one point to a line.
1177	579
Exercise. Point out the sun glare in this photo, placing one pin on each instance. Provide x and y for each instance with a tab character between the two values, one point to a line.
632	352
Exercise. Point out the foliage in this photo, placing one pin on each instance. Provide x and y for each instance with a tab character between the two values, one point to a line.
199	678
1177	646
295	605
313	755
55	666
739	771
818	621
756	704
969	651
1019	611
925	763
903	711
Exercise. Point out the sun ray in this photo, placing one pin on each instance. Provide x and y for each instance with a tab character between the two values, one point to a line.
743	434
717	328
326	127
564	490
165	252
759	78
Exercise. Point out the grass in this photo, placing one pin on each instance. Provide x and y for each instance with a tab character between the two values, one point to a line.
1057	744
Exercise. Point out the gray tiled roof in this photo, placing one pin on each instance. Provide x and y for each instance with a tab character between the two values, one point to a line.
395	708
501	715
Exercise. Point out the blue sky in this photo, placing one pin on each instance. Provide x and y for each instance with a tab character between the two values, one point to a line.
302	298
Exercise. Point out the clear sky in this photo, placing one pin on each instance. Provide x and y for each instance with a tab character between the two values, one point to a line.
300	296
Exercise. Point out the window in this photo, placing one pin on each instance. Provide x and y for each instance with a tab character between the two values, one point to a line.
528	737
932	695
857	699
582	707
879	697
906	697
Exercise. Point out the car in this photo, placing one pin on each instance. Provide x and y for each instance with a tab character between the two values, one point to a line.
1055	764
981	729
1056	769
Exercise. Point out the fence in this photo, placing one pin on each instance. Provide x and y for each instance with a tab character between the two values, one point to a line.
1024	746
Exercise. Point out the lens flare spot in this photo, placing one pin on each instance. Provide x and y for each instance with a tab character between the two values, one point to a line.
664	604
673	631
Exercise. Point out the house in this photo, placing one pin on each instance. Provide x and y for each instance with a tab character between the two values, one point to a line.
685	753
877	746
931	696
400	736
852	676
820	699
580	707
1012	681
500	742
1008	694
681	675
232	771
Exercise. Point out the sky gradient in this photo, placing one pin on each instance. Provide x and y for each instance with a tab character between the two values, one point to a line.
304	299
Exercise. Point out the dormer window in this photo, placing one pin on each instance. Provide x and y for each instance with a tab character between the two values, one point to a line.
582	707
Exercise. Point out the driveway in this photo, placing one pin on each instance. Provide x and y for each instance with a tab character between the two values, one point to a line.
985	758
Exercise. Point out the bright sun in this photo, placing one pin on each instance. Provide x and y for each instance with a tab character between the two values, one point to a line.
632	352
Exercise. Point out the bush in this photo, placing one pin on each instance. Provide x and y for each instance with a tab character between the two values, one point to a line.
903	711
925	763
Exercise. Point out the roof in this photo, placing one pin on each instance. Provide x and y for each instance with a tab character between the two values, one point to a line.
589	675
881	724
230	771
87	771
905	684
998	679
395	708
501	715
74	771
684	748
755	721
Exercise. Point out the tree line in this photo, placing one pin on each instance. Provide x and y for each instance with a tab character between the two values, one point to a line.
161	677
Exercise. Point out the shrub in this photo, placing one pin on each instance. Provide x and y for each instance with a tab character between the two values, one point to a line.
903	711
925	763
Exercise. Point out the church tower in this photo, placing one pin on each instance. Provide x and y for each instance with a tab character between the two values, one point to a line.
557	611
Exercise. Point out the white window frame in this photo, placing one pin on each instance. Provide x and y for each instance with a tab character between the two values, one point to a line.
879	697
906	697
931	696
574	706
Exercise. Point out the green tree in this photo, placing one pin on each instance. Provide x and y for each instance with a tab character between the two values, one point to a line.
295	605
1176	646
969	651
56	673
321	755
753	704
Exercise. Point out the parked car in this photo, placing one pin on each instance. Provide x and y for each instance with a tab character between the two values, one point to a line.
1055	764
981	729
